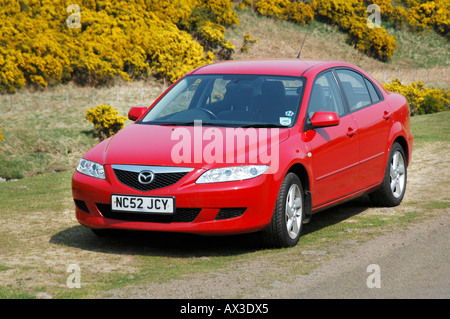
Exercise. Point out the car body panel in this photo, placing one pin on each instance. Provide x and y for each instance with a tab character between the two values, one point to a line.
336	177
372	128
121	148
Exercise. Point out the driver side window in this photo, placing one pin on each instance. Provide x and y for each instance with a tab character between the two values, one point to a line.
325	96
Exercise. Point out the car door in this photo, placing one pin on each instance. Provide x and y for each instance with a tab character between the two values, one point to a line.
373	118
334	149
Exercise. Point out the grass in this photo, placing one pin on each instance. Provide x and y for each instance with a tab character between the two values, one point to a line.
431	128
54	136
416	50
49	191
437	205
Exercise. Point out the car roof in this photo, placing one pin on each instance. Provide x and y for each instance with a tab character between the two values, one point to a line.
288	67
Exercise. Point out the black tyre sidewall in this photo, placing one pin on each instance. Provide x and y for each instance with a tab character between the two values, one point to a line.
383	195
277	233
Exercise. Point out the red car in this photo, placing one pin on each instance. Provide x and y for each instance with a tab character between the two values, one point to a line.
248	146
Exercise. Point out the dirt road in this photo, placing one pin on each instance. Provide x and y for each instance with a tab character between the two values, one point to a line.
412	263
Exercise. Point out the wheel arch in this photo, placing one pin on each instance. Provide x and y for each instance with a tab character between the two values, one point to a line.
303	175
404	144
400	134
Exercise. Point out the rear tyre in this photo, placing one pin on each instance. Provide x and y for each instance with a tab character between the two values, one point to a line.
392	189
287	220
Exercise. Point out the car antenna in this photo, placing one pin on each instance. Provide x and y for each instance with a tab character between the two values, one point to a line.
307	30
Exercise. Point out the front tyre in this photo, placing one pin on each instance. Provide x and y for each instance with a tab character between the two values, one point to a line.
287	220
392	189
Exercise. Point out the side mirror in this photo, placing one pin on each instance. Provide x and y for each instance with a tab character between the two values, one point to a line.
136	112
324	119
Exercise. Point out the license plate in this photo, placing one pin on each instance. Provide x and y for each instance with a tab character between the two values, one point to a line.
143	204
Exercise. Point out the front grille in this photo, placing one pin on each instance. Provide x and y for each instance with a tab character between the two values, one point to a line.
160	180
181	215
226	213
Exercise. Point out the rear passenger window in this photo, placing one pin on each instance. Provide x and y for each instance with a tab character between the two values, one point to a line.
373	93
355	89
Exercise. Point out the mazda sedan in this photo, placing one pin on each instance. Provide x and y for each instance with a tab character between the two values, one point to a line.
249	146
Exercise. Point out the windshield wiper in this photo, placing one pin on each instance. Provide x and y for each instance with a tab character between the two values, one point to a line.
189	123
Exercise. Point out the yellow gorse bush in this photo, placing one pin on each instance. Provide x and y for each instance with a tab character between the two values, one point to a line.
421	100
420	15
30	48
350	17
127	39
295	11
431	14
1	135
106	120
341	13
375	42
206	20
11	77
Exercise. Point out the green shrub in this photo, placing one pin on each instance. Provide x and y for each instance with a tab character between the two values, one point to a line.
430	104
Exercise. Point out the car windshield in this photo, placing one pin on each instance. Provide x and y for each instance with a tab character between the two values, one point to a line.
230	100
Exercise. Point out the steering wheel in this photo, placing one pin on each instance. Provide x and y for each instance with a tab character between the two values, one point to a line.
209	112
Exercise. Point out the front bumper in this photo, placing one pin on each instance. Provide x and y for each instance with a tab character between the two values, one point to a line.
216	208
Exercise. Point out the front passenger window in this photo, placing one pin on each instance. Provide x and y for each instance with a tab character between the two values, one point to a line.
325	96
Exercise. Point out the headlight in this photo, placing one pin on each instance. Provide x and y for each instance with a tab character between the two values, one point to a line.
91	169
227	174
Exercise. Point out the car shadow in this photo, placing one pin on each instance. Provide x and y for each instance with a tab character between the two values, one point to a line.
180	245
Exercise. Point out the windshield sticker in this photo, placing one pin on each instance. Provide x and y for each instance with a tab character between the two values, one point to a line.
285	121
289	113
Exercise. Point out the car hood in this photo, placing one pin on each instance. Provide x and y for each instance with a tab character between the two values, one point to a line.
189	146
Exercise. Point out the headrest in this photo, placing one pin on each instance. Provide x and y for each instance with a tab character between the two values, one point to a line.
273	88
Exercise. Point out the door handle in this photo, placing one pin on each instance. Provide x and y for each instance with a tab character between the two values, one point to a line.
351	132
387	115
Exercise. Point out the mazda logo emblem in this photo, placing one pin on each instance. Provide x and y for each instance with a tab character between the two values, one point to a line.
146	177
